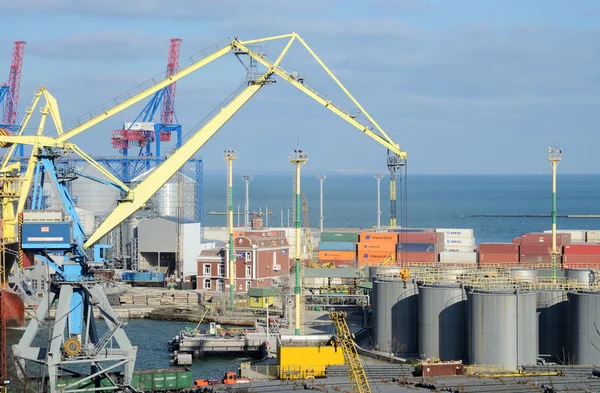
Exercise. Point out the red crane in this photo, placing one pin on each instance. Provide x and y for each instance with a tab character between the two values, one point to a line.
14	82
172	68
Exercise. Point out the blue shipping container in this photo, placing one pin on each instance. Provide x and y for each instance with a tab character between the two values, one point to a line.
416	247
337	246
46	235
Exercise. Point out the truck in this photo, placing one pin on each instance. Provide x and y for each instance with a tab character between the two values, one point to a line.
230	378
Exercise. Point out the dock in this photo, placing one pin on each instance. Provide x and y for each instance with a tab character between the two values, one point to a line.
209	345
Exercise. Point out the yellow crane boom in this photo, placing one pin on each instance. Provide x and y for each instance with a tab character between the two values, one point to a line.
354	366
138	196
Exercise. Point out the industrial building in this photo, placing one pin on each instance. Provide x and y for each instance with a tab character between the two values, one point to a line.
261	258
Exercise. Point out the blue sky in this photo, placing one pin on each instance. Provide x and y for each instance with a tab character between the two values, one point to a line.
464	87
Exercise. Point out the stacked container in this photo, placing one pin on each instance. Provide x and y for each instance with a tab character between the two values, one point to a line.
581	255
536	247
459	246
419	247
577	235
375	247
338	247
500	254
592	236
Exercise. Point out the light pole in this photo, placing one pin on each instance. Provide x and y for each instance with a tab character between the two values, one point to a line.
321	180
378	177
554	156
247	179
268	321
230	156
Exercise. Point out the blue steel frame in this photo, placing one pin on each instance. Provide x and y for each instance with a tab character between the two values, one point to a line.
5	98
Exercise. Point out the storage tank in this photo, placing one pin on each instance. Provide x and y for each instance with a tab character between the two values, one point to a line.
166	199
502	328
553	323
524	274
395	316
584	308
441	321
581	275
97	198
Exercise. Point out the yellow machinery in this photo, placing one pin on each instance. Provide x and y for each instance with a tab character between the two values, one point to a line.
345	338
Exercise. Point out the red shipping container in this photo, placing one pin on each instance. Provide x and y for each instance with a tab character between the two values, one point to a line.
537	238
517	240
499	248
536	249
498	259
419	237
430	257
388	237
582	248
536	258
581	258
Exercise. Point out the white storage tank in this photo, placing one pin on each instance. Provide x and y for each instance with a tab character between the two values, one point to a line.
441	320
584	308
502	328
581	275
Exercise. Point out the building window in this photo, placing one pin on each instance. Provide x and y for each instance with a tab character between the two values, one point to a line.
207	283
222	270
247	285
34	285
206	270
220	286
248	271
42	285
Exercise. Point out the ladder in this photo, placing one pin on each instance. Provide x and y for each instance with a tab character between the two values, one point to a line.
345	338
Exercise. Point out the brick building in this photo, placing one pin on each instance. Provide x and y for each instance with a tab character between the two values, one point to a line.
260	256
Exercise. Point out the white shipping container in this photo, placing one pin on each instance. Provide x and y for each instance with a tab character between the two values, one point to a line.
459	241
455	232
577	235
466	257
459	248
593	236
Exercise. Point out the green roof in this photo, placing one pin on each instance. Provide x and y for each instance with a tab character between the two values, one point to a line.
262	292
324	272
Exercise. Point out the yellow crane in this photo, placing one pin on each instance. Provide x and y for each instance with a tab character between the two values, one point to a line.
354	366
135	198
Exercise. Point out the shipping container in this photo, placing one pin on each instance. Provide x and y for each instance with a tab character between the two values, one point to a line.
46	235
337	255
458	249
592	236
374	256
537	249
388	237
468	257
337	246
411	230
416	247
533	258
459	241
577	235
499	248
429	257
440	369
498	259
582	248
421	238
351	237
455	232
376	246
536	238
580	261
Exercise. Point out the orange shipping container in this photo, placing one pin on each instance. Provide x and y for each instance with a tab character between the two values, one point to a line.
375	256
337	256
387	237
376	246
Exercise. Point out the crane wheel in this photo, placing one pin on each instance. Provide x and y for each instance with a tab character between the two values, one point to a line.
72	347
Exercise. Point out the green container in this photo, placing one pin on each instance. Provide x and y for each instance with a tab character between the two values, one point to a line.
171	380
339	237
184	379
158	381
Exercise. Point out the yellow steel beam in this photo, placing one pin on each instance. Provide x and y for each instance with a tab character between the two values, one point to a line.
54	112
24	123
95	164
143	94
326	103
138	196
273	38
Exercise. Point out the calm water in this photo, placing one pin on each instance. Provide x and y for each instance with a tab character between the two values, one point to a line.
433	201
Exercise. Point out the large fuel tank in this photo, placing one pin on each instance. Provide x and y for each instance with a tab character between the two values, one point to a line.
13	308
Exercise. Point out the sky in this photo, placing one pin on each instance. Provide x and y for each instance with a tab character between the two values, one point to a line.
463	86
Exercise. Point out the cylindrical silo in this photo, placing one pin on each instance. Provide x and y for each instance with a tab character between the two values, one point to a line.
524	274
441	321
553	323
502	328
584	339
581	275
395	316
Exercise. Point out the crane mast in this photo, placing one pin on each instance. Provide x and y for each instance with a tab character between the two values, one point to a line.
14	82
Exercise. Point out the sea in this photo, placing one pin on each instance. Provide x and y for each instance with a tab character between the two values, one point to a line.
350	201
430	201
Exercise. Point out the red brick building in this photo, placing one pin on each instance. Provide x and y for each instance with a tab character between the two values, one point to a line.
260	256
